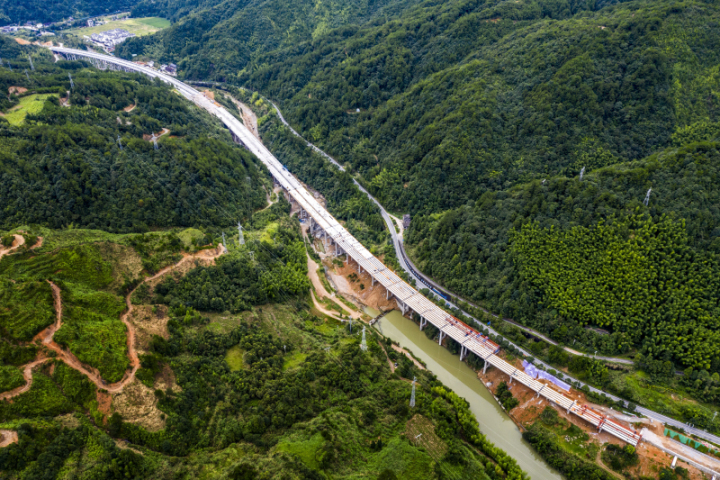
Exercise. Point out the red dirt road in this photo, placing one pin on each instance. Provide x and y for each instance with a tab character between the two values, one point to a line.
46	338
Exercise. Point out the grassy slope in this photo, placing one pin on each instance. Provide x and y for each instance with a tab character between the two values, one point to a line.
29	105
138	26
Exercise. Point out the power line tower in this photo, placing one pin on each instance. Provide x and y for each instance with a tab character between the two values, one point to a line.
224	245
120	142
241	237
1	63
154	140
32	66
72	84
412	397
363	344
647	198
27	76
350	326
582	172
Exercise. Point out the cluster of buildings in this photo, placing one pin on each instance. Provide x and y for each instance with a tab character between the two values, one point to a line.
30	27
170	68
109	39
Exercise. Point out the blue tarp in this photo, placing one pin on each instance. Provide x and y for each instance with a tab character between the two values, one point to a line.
536	373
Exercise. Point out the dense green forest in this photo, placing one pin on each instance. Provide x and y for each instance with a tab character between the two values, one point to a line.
216	37
481	251
459	98
84	160
37	11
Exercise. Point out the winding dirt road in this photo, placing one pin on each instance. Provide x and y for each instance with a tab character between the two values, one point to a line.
19	242
46	337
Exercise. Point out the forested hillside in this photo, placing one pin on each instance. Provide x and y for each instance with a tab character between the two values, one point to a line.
155	352
87	159
459	98
216	38
40	11
539	252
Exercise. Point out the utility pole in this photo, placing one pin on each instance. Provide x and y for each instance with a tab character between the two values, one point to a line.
412	397
363	344
241	238
72	84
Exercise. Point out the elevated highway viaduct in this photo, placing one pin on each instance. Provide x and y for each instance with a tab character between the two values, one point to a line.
407	298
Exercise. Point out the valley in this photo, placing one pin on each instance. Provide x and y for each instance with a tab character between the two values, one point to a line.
555	163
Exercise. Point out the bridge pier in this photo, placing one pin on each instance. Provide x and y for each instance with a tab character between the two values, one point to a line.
463	353
440	339
423	322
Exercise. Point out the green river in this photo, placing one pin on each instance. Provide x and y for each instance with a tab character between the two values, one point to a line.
493	420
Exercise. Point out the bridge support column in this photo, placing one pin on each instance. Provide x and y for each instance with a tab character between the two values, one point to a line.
423	322
570	407
463	353
440	339
485	366
373	280
387	294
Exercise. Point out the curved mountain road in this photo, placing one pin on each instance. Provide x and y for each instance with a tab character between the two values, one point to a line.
413	272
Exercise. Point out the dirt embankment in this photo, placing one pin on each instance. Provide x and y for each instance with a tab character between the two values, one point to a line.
651	459
323	293
401	350
17	243
359	286
7	437
248	116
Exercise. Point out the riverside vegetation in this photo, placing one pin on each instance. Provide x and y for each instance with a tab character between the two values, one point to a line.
296	398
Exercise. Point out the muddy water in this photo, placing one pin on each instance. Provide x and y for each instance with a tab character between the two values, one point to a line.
494	422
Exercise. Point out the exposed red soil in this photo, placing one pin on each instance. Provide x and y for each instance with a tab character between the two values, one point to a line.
8	437
526	413
17	243
46	338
